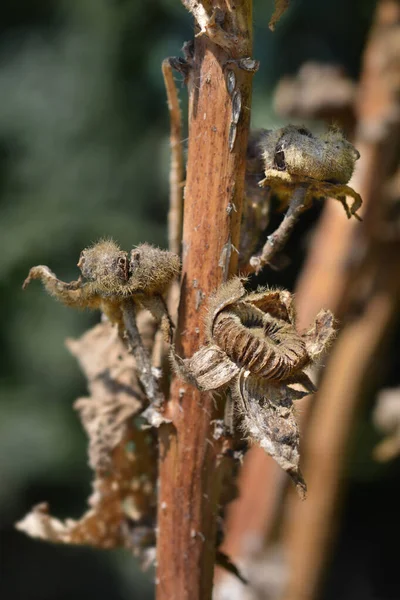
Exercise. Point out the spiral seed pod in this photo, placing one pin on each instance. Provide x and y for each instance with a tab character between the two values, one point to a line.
255	352
267	347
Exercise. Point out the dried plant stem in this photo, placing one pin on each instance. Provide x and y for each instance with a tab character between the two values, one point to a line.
279	237
191	459
142	357
176	175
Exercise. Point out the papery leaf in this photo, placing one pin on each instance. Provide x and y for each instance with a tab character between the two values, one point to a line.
268	419
208	369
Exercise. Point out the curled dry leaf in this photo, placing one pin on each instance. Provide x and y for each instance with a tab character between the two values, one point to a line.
255	352
122	455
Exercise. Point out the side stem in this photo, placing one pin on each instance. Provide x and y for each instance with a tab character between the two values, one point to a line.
142	357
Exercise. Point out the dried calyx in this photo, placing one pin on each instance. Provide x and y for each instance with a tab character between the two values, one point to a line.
256	354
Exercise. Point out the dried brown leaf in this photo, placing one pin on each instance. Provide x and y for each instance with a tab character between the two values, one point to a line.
122	500
123	456
268	418
208	369
115	393
321	334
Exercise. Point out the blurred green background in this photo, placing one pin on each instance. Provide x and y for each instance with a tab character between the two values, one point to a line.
83	154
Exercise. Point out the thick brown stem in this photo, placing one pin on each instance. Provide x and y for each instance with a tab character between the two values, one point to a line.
190	458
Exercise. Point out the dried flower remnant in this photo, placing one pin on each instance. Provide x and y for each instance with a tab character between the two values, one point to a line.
255	352
299	166
120	284
111	276
317	91
322	164
123	457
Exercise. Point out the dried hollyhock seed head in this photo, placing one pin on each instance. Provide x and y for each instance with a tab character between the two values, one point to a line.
152	269
106	266
111	278
324	164
266	346
255	352
256	331
111	271
326	157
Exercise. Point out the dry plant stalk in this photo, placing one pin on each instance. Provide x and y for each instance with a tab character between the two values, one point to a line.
257	370
387	419
191	461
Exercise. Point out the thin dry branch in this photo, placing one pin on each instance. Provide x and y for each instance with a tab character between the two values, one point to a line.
281	7
146	373
279	237
176	174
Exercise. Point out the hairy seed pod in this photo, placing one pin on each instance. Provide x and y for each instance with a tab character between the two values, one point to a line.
267	347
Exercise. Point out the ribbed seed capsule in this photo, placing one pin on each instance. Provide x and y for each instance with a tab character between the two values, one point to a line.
265	346
254	352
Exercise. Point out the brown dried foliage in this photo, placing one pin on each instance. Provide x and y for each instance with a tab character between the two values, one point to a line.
255	353
122	455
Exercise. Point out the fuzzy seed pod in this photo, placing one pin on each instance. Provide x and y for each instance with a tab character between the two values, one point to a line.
110	277
328	157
